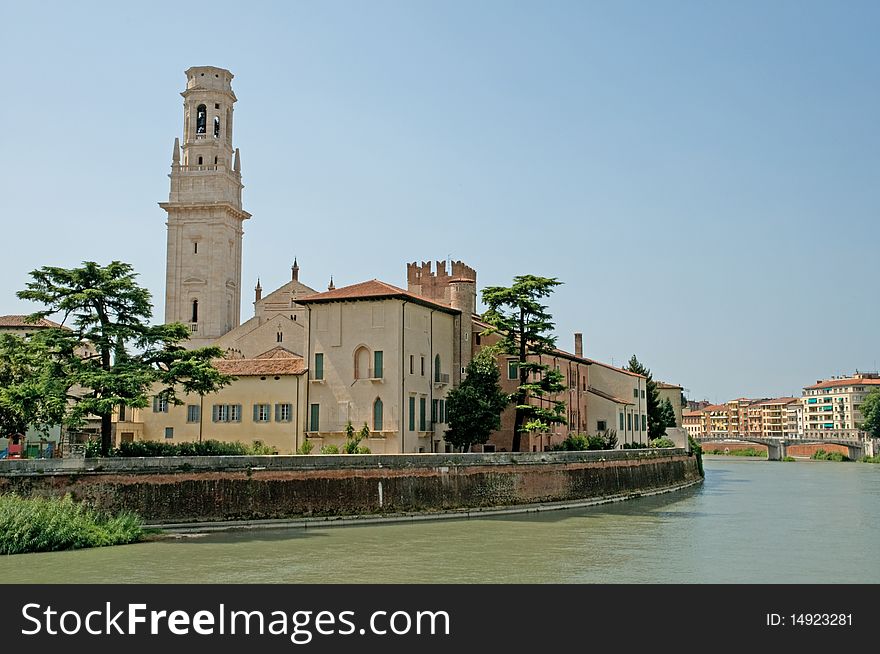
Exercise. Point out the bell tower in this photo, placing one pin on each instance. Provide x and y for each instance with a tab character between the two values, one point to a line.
203	264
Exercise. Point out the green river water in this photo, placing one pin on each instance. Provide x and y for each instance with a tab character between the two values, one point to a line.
751	521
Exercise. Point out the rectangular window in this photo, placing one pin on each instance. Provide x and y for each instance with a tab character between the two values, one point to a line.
443	411
193	413
378	364
160	405
319	365
643	393
220	413
635	392
629	421
512	366
411	363
234	413
261	413
621	421
422	363
422	404
601	425
315	418
169	432
283	412
412	413
644	422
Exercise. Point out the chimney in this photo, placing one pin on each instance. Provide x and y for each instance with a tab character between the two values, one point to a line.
258	291
294	271
578	344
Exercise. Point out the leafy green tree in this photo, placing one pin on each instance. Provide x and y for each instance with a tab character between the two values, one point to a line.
656	424
110	355
525	326
474	407
871	413
667	415
32	394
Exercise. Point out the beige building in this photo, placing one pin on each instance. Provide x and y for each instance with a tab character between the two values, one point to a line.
671	392
618	398
693	423
266	403
832	406
794	419
381	356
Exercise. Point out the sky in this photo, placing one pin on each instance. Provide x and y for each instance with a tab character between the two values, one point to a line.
703	177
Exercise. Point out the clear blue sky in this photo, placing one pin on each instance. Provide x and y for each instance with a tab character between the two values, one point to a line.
703	176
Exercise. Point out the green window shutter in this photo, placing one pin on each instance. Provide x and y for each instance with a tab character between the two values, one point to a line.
215	410
378	364
314	418
377	415
319	365
237	413
511	369
621	421
443	411
412	414
277	413
422	403
435	405
644	422
256	413
155	405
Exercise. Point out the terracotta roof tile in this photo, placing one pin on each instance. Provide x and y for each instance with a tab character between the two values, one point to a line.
22	321
373	289
280	365
849	381
661	384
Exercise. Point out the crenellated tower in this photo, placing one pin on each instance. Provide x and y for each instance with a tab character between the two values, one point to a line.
457	288
205	217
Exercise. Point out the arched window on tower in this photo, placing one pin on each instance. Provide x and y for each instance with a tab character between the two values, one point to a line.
216	127
200	161
378	410
201	119
195	311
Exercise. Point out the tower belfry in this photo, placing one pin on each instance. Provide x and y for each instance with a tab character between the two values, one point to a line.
203	266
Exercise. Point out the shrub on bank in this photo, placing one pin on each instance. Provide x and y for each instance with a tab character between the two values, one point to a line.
870	459
635	446
788	458
661	442
203	448
49	524
822	455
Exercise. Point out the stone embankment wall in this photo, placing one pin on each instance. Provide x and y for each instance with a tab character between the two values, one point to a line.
191	489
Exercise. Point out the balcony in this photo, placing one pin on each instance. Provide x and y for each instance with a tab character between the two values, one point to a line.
369	375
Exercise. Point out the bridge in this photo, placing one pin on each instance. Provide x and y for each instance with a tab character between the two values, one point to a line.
776	447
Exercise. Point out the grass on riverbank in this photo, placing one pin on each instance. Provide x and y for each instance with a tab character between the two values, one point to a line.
746	451
870	459
49	524
822	455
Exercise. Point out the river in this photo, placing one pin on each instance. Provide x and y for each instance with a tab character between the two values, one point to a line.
751	521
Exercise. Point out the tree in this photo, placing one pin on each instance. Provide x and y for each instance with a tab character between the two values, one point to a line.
525	326
32	394
110	356
667	415
474	407
871	413
656	424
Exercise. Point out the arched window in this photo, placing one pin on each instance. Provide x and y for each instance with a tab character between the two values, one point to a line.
216	127
215	160
362	363
377	414
437	368
200	161
201	119
279	336
195	311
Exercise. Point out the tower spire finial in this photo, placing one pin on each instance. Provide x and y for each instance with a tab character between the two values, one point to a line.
294	270
258	291
237	165
331	286
175	155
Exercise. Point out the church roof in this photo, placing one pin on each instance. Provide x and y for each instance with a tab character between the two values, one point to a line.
276	361
294	287
373	290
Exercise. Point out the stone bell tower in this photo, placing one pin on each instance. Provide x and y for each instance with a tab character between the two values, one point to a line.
203	266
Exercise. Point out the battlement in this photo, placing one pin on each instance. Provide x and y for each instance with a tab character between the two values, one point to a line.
424	275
